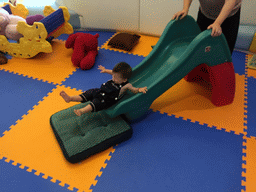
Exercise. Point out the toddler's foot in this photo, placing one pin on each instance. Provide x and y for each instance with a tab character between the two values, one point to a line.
65	96
78	112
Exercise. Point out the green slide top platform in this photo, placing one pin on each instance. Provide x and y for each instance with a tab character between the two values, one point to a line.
180	49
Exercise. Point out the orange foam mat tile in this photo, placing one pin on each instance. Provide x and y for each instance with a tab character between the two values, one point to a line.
249	165
143	48
250	72
192	101
31	143
52	67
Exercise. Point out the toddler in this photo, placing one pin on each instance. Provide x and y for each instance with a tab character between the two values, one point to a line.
109	93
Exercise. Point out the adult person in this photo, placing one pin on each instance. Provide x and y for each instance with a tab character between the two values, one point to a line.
222	16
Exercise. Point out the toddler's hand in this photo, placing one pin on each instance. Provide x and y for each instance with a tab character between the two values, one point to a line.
143	90
102	69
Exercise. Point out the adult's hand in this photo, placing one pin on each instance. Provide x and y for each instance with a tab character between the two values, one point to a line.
180	15
216	29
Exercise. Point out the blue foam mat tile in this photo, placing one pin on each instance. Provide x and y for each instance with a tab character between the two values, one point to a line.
92	78
238	59
251	107
104	36
13	179
18	95
170	154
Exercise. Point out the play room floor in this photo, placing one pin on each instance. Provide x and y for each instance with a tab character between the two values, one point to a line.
182	144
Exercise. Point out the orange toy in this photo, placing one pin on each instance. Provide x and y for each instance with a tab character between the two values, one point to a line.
85	49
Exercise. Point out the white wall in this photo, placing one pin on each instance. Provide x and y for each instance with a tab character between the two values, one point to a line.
155	15
106	14
144	16
248	12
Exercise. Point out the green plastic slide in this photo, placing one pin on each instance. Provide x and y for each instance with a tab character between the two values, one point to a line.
180	49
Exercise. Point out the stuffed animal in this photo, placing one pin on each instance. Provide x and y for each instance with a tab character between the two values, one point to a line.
34	18
85	49
8	25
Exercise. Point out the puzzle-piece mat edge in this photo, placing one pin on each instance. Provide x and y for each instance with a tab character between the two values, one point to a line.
28	76
102	169
61	40
35	173
246	95
199	123
71	70
29	111
207	124
170	122
44	175
70	188
248	183
56	181
19	119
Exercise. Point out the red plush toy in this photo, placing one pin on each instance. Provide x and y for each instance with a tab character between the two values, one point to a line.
85	49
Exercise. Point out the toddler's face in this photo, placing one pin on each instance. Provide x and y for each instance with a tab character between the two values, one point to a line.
117	78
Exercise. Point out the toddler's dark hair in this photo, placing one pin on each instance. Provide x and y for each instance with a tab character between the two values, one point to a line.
123	68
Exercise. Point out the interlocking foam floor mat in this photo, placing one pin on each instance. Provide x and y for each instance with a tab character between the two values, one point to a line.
53	67
192	101
18	95
177	156
183	143
32	143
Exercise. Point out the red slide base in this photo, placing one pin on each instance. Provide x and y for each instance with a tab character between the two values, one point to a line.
222	79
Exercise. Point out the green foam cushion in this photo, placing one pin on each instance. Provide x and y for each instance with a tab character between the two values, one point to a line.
81	137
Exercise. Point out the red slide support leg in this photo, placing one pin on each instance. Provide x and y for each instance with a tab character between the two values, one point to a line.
222	79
